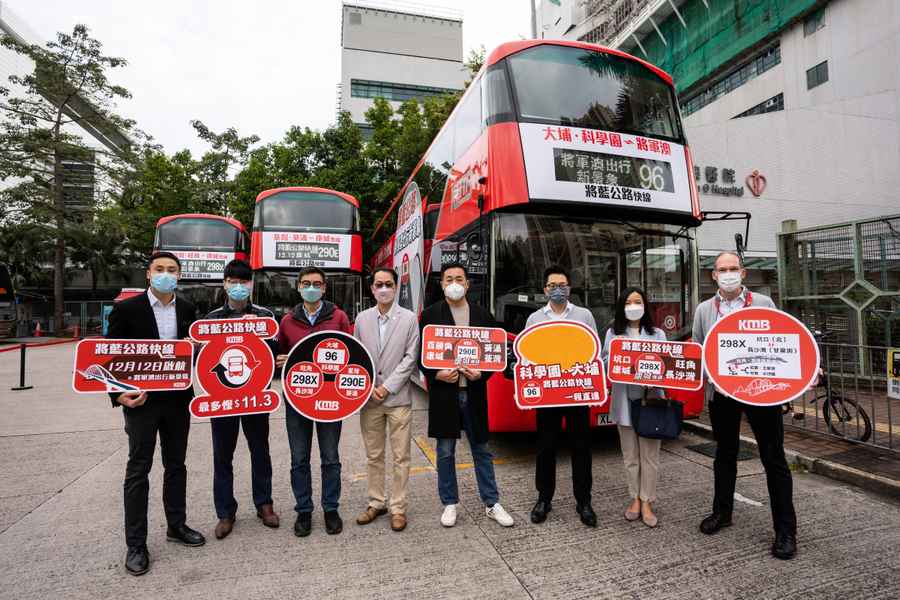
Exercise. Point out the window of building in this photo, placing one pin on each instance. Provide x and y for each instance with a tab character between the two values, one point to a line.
751	69
355	18
814	22
399	92
773	104
817	75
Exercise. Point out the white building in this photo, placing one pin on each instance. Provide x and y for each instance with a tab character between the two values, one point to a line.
790	108
397	51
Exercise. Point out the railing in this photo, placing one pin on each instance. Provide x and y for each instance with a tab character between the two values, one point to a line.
851	402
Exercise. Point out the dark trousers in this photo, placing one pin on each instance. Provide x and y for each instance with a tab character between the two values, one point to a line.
578	426
300	435
224	438
768	428
169	418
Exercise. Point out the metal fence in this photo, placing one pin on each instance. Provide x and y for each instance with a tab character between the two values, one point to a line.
843	280
83	318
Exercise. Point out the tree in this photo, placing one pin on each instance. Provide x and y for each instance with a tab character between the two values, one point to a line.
214	170
40	150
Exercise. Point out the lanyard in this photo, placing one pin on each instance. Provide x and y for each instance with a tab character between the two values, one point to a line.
748	300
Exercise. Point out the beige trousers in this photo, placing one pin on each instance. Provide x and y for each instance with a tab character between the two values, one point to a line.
373	420
641	457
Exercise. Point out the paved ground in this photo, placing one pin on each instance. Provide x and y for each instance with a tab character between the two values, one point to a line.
62	458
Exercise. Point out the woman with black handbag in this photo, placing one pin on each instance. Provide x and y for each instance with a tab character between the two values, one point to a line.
640	454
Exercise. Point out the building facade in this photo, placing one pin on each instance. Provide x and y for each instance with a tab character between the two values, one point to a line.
790	106
397	51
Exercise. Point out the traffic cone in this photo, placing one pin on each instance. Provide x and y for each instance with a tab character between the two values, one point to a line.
37	330
76	331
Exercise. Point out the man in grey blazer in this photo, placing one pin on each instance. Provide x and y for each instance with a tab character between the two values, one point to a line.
391	335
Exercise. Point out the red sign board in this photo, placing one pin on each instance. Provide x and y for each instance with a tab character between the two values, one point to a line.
103	365
656	363
761	356
234	367
479	348
328	376
559	365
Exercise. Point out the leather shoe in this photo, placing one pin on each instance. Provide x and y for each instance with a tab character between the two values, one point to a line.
587	514
540	510
268	515
333	522
370	514
185	535
303	524
714	523
137	560
785	546
398	522
223	528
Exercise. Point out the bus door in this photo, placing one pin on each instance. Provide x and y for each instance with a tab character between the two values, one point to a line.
602	282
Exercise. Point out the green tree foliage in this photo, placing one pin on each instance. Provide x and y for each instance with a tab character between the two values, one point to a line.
40	151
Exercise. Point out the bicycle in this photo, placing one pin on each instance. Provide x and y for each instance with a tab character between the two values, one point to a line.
844	416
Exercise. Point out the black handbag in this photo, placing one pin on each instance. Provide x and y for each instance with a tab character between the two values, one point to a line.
656	418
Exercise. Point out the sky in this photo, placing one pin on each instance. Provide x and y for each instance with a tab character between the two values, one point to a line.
259	66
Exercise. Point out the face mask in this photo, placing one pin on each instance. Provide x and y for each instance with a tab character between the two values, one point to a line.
454	291
634	312
385	295
164	283
238	292
729	281
311	294
559	295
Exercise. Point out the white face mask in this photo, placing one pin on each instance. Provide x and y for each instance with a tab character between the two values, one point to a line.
455	291
729	281
634	312
384	295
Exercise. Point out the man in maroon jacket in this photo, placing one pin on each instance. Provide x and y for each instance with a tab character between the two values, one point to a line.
312	315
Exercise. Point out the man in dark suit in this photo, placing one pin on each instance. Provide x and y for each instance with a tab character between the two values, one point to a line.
155	315
457	400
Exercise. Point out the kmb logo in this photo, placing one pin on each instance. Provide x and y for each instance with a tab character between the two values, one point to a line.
756	181
754	325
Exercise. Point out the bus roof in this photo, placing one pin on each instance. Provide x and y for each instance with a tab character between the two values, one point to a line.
504	50
229	220
346	197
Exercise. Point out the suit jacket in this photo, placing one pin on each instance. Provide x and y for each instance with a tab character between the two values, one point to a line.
444	417
397	357
133	319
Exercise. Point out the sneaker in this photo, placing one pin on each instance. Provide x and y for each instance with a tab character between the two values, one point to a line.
448	517
497	513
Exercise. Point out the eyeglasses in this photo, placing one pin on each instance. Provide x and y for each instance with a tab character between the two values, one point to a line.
315	284
554	286
383	284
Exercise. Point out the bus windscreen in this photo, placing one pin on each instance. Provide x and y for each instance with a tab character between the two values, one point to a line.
307	211
573	86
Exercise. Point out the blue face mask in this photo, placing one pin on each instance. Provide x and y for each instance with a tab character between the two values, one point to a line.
311	294
238	292
559	295
164	283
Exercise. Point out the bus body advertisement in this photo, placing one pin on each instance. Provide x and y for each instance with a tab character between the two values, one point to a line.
560	153
297	227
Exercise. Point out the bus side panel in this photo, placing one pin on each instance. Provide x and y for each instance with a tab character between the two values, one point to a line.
507	182
356	253
503	414
256	251
693	401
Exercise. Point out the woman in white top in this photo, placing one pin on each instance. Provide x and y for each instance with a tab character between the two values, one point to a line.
641	455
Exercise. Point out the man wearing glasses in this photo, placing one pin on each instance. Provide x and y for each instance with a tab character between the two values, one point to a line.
391	335
311	315
549	420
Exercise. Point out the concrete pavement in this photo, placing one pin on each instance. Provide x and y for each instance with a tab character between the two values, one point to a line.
62	458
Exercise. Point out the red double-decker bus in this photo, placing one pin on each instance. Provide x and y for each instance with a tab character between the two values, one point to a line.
296	227
558	153
204	244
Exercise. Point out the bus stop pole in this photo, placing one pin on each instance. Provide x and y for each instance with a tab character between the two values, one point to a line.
22	385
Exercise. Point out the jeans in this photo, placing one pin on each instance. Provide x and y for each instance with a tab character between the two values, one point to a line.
224	438
768	429
484	465
300	430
